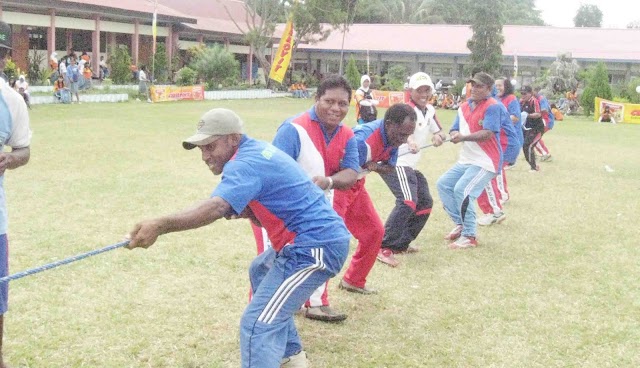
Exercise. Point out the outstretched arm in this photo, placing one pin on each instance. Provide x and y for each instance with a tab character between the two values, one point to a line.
145	233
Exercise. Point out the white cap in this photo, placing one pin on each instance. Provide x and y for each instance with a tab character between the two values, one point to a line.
420	79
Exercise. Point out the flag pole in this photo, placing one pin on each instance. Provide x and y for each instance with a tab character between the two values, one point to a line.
154	32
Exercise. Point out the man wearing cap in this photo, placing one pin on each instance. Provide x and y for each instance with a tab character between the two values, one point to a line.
409	185
477	126
14	132
263	183
533	125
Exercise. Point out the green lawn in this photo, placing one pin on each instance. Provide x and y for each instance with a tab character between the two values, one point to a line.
556	285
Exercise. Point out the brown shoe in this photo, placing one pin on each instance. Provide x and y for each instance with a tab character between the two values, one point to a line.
324	313
386	256
354	289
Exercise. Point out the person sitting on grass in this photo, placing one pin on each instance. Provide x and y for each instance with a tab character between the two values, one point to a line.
60	91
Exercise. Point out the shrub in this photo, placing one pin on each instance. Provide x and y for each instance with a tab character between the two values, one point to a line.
597	86
120	62
217	66
186	77
352	74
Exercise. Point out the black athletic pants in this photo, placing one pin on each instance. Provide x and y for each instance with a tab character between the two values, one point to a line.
412	210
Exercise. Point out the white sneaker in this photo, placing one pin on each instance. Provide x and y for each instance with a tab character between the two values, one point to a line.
149	100
295	361
490	219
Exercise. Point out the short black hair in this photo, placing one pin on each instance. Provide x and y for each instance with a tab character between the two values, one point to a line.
398	112
508	87
331	82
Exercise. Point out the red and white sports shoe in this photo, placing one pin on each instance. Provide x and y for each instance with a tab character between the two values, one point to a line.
454	234
386	256
464	242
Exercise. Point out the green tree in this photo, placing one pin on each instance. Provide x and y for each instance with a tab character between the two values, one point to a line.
161	72
396	76
120	62
215	65
588	15
486	43
258	26
352	74
597	86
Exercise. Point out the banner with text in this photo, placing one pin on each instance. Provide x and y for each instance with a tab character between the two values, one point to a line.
620	111
176	93
386	98
280	61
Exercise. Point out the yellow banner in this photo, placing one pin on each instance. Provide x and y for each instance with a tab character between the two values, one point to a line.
280	61
175	93
621	112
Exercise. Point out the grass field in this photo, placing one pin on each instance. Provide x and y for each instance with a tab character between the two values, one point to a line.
555	285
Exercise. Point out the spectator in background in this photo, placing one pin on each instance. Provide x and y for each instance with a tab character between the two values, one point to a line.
84	56
143	86
22	86
73	78
557	114
606	116
365	104
87	74
134	71
60	91
104	70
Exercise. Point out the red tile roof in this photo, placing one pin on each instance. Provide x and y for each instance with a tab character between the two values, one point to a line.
142	6
534	41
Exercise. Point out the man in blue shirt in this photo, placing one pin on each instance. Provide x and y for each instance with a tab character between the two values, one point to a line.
15	133
265	184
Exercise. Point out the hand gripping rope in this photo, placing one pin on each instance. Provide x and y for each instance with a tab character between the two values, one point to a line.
65	261
425	146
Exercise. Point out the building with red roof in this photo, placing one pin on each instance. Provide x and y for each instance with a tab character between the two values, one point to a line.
441	50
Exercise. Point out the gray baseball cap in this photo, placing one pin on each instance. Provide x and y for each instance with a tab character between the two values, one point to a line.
214	124
5	35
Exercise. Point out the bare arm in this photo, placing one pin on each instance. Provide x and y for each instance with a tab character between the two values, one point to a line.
479	136
343	179
145	233
14	159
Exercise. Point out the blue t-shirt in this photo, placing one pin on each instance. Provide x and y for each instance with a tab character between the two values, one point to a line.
373	144
280	194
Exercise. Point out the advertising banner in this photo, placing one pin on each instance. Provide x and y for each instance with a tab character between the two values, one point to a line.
282	58
176	93
620	111
386	98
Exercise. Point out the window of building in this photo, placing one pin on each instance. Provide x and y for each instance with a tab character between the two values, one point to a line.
37	38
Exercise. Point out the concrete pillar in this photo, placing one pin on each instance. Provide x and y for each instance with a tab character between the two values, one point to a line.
111	42
200	40
309	64
69	41
416	64
95	60
51	34
454	72
135	39
226	43
250	65
175	37
379	65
